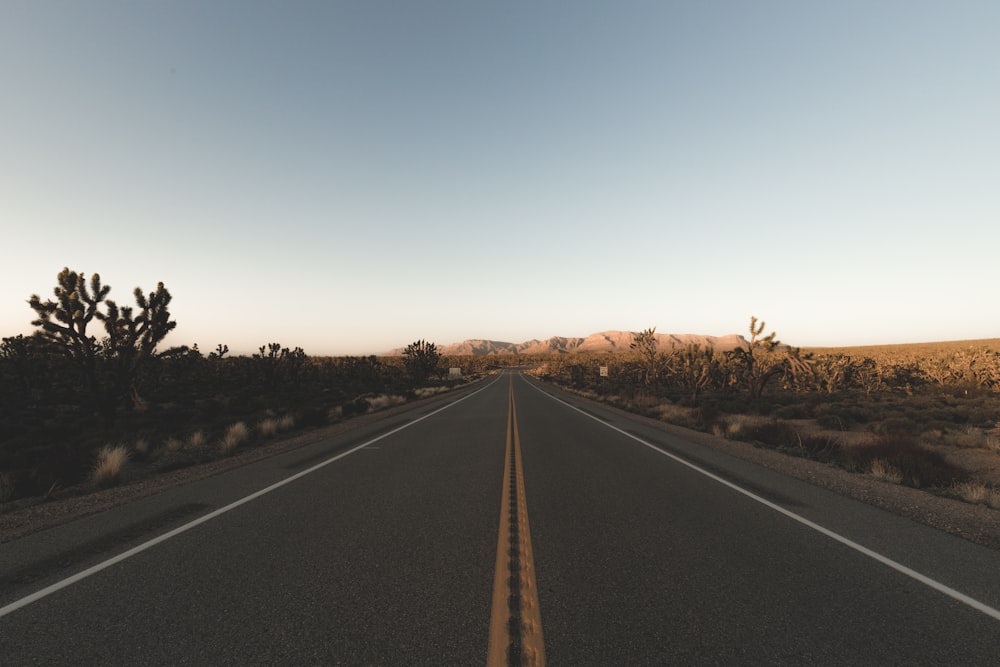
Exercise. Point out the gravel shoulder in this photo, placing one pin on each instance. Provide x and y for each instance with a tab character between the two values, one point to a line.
976	523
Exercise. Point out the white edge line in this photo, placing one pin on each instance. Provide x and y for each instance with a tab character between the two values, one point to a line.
899	567
94	569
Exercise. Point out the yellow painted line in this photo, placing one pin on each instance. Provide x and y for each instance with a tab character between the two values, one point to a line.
515	620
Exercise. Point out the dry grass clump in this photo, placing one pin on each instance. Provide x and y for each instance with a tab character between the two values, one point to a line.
424	392
673	414
235	436
196	439
267	427
174	444
978	493
111	460
335	413
141	447
917	465
286	423
387	401
883	470
738	425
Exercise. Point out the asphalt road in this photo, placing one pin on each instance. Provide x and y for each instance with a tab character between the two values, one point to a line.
380	547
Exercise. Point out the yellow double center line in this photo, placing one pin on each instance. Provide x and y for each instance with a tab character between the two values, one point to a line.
516	622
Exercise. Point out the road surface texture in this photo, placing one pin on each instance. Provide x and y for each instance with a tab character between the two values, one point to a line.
512	524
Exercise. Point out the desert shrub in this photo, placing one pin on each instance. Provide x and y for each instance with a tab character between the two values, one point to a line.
820	448
981	416
832	422
676	414
174	444
772	434
917	465
885	471
358	406
793	411
235	436
196	439
976	493
896	426
286	423
965	438
708	415
110	466
424	392
267	427
383	401
141	448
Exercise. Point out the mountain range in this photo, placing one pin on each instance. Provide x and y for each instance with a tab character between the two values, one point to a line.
603	342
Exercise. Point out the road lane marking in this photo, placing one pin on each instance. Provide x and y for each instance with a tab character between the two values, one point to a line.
79	576
874	555
515	619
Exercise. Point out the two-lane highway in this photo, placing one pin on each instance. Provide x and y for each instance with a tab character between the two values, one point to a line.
513	525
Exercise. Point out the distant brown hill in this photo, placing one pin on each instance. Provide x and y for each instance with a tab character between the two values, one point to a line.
607	342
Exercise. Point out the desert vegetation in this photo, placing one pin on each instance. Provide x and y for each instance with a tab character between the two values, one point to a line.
94	373
921	415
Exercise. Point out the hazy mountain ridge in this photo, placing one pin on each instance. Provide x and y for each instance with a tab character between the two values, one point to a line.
607	342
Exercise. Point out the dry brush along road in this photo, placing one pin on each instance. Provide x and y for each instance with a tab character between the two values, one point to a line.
509	524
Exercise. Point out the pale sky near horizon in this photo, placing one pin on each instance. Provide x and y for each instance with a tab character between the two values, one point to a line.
348	177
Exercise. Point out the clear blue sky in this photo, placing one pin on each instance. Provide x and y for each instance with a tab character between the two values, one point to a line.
351	176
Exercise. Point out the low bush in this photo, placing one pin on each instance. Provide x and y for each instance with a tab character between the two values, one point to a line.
110	465
772	434
358	406
677	415
235	436
793	411
917	465
141	448
267	427
896	426
885	471
708	416
977	494
832	422
385	401
820	448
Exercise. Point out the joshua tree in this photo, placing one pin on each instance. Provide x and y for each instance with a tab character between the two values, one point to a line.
421	359
110	367
644	345
758	364
695	368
